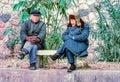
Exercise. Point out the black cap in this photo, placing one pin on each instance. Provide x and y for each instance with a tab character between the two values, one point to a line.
35	12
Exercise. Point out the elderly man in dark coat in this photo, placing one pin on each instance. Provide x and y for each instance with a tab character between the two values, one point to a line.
75	41
32	35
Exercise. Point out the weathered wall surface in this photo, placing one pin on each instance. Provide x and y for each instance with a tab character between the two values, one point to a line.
13	75
10	19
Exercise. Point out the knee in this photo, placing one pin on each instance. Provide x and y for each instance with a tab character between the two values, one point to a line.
35	47
66	50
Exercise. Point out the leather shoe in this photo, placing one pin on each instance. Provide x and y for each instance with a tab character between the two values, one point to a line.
33	66
72	68
21	55
54	57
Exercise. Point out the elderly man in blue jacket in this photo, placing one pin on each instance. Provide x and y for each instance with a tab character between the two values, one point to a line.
32	35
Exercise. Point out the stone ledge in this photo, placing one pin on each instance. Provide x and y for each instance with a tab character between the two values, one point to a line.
58	75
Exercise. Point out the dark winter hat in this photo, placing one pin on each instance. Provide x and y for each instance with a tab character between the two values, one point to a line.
72	16
35	12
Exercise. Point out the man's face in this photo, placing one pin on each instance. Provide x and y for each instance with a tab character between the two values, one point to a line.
35	18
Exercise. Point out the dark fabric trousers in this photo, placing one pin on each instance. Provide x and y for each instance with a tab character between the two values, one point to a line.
64	51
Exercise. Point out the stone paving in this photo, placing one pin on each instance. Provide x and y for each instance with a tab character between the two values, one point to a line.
58	75
14	70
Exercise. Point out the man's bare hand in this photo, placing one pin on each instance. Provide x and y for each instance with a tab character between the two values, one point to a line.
29	38
33	39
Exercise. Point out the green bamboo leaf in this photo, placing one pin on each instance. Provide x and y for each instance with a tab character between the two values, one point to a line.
6	32
42	10
20	4
24	15
12	31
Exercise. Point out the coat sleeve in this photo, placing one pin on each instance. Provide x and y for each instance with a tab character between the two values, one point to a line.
65	35
84	35
23	32
42	32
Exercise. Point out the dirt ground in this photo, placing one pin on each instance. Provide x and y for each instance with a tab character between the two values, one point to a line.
59	64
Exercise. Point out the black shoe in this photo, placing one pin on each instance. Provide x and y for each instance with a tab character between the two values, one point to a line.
33	66
21	55
72	67
85	55
54	57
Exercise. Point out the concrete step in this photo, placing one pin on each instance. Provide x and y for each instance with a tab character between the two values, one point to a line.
58	75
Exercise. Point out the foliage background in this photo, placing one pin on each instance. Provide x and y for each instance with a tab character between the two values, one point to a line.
108	32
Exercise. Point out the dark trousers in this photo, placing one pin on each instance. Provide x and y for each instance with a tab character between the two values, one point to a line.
64	51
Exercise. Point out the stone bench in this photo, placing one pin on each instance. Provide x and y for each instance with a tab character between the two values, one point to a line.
42	53
46	52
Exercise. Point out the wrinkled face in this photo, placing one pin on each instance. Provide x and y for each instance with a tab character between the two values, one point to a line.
35	18
73	22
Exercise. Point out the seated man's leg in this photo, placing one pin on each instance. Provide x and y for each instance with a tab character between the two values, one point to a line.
27	47
33	57
26	50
